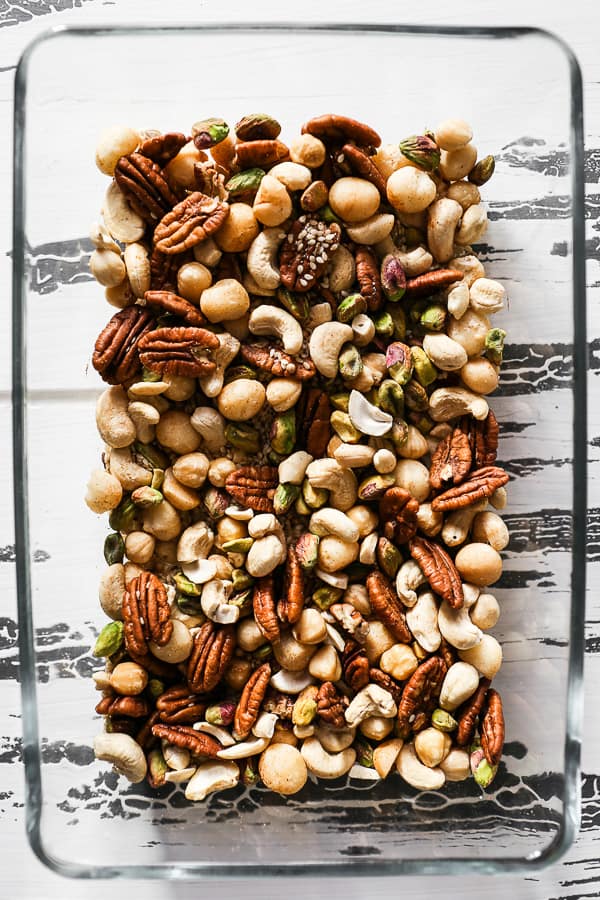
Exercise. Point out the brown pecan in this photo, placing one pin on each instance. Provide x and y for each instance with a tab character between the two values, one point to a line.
167	301
180	706
355	666
198	743
364	167
103	706
451	460
386	606
483	439
115	354
145	187
253	487
146	614
132	707
368	277
398	511
190	222
340	129
438	569
331	705
481	483
492	728
178	351
154	665
260	153
447	652
420	696
144	736
209	179
469	713
211	654
124	725
275	361
305	252
263	605
351	621
163	148
247	710
386	682
429	282
289	608
280	704
314	418
163	269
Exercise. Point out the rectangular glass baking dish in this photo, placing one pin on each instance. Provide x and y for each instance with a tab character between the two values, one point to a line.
521	90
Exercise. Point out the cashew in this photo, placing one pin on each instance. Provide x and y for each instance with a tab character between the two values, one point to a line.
200	571
325	346
121	221
460	683
457	628
450	403
368	418
251	747
458	523
334	739
145	417
372	700
443	217
101	239
210	425
195	543
179	776
368	549
371	230
137	263
353	456
291	682
487	296
486	612
265	555
210	777
341	270
473	226
223	736
415	262
385	755
264	523
331	521
126	756
319	313
111	590
272	203
270	320
114	424
471	593
213	601
363	330
422	619
486	656
222	356
293	469
341	482
122	465
415	773
445	353
458	299
262	258
264	727
324	764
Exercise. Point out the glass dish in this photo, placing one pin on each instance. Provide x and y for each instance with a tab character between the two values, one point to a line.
82	820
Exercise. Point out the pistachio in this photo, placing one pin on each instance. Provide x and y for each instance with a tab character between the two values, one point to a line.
344	428
257	127
364	753
314	197
350	363
393	278
421	150
415	396
384	324
283	432
399	362
494	345
433	317
221	714
482	171
353	305
305	706
285	496
209	132
123	517
146	496
239	545
296	304
390	398
424	370
244	185
373	487
109	640
443	721
399	319
157	767
314	497
216	502
307	549
483	772
388	557
242	436
114	548
324	597
185	586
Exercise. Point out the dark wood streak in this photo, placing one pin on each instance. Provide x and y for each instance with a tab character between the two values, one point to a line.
25	10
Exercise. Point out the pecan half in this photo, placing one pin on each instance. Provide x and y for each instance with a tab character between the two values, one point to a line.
198	743
253	487
289	608
211	654
351	620
247	710
341	129
163	270
355	666
305	252
469	713
364	167
180	706
190	222
145	187
178	351
314	418
438	569
429	282
210	180
263	605
275	361
144	736
163	148
169	302
331	705
447	652
368	277
492	728
132	707
260	153
146	614
154	665
420	696
386	682
483	438
386	606
481	483
115	355
451	460
398	511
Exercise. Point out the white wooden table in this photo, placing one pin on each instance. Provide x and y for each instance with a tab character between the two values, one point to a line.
578	22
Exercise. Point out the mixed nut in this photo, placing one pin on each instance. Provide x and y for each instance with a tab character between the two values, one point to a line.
300	460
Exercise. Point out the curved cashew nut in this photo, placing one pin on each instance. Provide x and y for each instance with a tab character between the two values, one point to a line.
332	521
457	628
126	756
473	226
450	403
222	356
264	523
210	425
416	261
445	353
334	739
460	683
341	270
265	555
213	601
458	523
264	727
175	757
458	299
123	466
210	777
195	543
245	748
370	701
409	578
443	218
325	345
372	230
261	261
293	468
409	767
354	456
137	263
270	320
121	221
289	682
341	482
113	421
324	764
422	619
221	734
368	418
145	417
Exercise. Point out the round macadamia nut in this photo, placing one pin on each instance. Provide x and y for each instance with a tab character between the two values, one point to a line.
282	769
353	199
238	230
479	564
409	190
225	300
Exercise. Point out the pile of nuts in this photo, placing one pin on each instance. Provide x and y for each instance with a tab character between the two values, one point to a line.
299	457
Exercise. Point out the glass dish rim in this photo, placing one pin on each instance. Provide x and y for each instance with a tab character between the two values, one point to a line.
574	715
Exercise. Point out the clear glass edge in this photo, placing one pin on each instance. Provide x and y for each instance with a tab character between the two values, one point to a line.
31	748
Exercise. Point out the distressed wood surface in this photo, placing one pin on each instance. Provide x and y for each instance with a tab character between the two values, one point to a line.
64	650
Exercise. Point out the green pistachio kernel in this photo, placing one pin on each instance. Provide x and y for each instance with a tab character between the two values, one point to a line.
343	427
351	306
185	586
241	580
350	363
263	653
314	497
384	324
399	433
242	437
215	502
324	597
307	547
114	548
157	768
364	753
283	432
244	184
433	318
390	398
209	132
122	518
301	508
388	557
305	706
221	713
285	497
340	401
494	345
232	373
149	456
109	640
399	319
149	375
327	214
239	545
243	600
257	127
191	606
415	396
155	688
146	496
443	721
399	362
424	370
421	421
421	150
296	304
484	774
373	487
482	171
